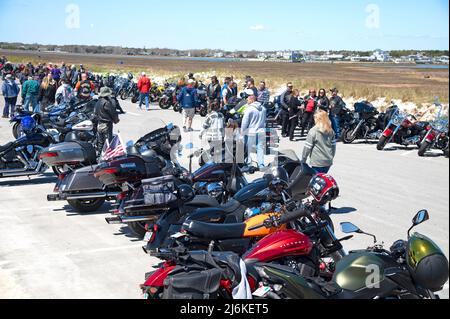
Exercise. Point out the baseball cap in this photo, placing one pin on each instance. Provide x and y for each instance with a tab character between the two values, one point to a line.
191	81
249	92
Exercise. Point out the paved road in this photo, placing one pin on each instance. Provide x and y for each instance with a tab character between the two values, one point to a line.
49	251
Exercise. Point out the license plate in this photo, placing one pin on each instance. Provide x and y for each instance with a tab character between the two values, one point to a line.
261	292
148	236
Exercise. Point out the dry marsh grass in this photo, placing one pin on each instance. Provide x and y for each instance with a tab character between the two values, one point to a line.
406	83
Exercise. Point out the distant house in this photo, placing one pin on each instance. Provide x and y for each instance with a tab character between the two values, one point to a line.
381	56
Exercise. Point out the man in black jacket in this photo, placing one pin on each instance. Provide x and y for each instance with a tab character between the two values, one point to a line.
107	115
336	107
284	110
213	92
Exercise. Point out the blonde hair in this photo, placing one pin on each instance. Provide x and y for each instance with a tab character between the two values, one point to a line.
323	122
45	83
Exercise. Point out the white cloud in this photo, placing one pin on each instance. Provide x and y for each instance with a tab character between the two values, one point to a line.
258	27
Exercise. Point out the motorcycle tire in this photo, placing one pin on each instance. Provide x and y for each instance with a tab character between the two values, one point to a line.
177	108
17	129
86	206
347	137
134	99
124	95
163	104
138	228
423	149
382	143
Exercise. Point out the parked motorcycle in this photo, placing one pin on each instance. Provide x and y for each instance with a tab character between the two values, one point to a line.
412	269
402	129
169	98
436	135
20	158
367	124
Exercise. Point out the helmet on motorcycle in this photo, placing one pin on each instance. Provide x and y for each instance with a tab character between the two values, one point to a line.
323	188
185	193
278	176
130	76
28	124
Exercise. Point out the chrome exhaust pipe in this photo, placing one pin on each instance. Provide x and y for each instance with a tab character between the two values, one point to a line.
91	195
130	219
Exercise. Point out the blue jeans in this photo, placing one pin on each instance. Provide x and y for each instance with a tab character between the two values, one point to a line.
31	100
323	170
141	97
10	106
336	124
260	141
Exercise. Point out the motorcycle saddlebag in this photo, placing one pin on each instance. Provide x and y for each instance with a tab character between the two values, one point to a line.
192	283
159	190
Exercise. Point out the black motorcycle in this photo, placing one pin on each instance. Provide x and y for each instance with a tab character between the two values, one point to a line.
21	157
367	124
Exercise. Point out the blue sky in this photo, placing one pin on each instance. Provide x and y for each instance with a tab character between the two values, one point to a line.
230	24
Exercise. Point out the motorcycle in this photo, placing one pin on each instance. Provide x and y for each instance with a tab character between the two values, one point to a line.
130	90
436	135
169	98
302	249
412	269
367	124
402	129
20	158
86	193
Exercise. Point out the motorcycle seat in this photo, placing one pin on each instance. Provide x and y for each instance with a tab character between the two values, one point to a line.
229	207
214	231
5	147
203	201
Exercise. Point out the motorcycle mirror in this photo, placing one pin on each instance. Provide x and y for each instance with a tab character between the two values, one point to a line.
421	217
349	228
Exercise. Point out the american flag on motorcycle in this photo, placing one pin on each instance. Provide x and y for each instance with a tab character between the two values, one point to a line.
113	149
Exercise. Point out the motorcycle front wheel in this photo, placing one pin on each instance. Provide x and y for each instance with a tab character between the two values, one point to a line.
423	149
163	104
17	129
347	137
124	95
382	143
86	206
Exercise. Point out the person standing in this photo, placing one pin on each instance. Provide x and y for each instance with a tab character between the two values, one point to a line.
311	102
263	93
64	93
30	94
251	85
253	127
285	97
323	102
188	100
320	144
56	73
107	116
295	108
10	91
144	86
47	92
336	107
213	93
84	88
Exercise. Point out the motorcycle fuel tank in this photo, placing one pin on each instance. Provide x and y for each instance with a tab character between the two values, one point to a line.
210	172
280	244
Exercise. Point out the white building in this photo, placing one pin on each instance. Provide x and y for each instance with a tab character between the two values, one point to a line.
381	56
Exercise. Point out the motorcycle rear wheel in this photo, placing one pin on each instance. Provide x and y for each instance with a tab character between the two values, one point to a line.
86	206
382	143
138	228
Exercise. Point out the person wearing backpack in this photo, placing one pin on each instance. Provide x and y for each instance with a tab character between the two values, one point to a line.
107	115
10	91
311	103
84	88
188	100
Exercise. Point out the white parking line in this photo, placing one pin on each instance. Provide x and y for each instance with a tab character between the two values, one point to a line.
134	114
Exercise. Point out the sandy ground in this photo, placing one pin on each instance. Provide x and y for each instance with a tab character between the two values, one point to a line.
49	251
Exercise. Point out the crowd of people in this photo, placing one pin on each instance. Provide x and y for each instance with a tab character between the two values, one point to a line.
49	84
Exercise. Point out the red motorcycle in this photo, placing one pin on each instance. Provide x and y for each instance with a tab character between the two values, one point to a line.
402	129
303	247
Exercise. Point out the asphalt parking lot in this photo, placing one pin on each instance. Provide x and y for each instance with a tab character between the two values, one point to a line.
49	251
